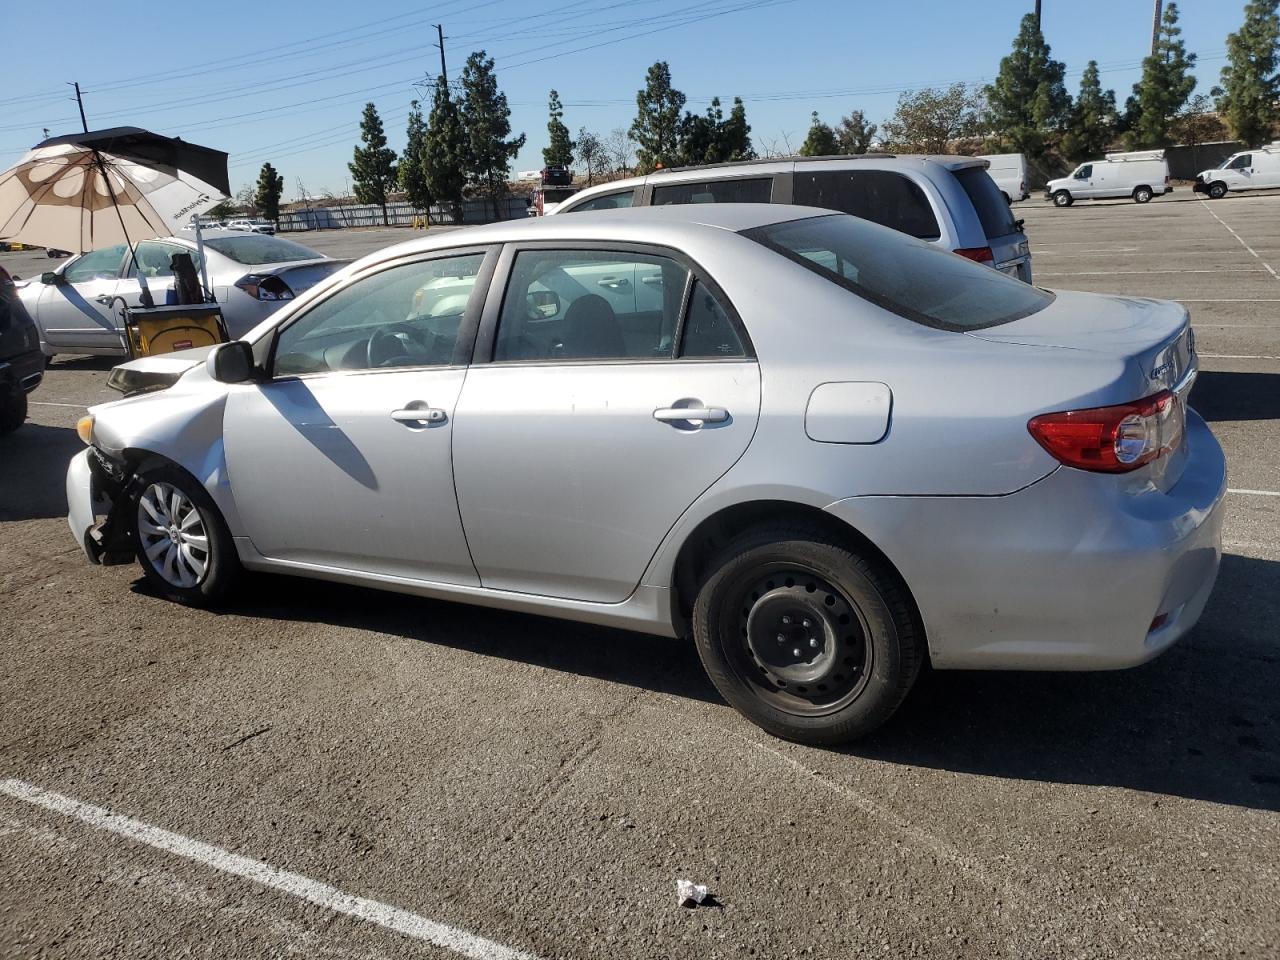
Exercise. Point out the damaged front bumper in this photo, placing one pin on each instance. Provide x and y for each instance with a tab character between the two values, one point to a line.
95	497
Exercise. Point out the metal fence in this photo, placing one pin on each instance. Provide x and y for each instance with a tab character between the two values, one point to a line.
321	217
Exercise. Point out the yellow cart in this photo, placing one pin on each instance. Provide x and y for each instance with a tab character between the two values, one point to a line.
163	329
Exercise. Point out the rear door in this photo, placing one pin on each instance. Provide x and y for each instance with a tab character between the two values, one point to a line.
581	436
1010	251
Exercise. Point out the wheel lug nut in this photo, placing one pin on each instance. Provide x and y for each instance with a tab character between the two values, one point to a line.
796	652
786	621
808	622
813	641
782	638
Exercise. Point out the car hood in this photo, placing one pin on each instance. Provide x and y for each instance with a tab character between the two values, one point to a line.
159	372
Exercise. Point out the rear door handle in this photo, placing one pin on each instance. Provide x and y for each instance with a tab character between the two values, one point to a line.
691	414
419	415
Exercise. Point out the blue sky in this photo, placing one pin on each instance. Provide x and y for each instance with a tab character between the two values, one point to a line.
285	81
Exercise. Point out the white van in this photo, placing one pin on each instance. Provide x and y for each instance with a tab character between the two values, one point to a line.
1141	174
1251	170
1009	171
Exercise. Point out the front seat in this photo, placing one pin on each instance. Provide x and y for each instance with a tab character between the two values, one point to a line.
593	329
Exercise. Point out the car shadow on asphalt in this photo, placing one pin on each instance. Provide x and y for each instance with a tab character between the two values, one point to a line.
33	463
1200	722
1220	396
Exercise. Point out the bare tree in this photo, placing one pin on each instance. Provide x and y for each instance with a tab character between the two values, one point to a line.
620	150
591	153
779	146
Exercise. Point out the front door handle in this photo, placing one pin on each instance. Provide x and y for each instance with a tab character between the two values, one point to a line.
691	414
614	283
421	414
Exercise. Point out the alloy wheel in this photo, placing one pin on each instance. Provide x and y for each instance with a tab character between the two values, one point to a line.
173	534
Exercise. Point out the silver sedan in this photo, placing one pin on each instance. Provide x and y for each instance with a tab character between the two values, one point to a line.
825	450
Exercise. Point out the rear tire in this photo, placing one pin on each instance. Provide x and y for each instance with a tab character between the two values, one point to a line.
806	638
1063	199
181	541
1217	190
13	411
1142	195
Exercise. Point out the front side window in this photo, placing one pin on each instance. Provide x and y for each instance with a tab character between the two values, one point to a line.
1085	172
886	198
915	280
608	201
408	315
754	190
1242	162
104	262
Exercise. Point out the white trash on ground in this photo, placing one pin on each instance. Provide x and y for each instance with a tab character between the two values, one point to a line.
690	894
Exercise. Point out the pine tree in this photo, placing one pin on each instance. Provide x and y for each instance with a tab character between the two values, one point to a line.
445	151
854	135
1093	119
735	135
373	167
1164	89
413	176
559	149
1028	102
267	197
821	141
699	136
486	118
1249	96
656	129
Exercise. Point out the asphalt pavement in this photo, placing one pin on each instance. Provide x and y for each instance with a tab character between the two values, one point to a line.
325	771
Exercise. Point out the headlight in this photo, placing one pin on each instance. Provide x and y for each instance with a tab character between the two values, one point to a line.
84	429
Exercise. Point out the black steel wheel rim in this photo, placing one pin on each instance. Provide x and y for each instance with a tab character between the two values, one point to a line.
800	642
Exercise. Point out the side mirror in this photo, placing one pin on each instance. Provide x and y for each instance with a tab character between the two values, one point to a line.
50	277
231	362
543	304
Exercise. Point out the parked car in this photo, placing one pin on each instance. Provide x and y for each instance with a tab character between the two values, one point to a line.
77	306
252	226
1009	171
1250	170
949	201
53	253
204	225
826	449
1141	175
21	362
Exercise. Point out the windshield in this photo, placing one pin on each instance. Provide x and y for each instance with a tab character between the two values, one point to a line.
1224	163
914	279
255	248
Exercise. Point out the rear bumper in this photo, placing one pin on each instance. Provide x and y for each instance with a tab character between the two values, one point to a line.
1070	573
22	373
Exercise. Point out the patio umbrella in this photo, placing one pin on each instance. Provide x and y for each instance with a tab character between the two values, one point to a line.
91	190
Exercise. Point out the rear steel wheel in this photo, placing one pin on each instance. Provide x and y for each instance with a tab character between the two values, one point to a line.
1142	195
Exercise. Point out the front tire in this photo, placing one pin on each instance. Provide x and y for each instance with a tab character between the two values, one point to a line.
181	541
1063	199
1217	190
13	411
806	638
1142	195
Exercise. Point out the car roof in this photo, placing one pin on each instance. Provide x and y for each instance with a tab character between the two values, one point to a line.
771	167
662	224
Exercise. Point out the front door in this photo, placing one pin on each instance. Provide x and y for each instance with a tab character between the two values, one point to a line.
342	458
76	313
573	451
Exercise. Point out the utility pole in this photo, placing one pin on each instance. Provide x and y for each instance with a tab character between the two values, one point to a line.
444	73
80	103
1155	25
1037	14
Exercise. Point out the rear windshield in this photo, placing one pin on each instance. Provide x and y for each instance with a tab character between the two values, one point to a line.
916	280
261	248
994	213
715	191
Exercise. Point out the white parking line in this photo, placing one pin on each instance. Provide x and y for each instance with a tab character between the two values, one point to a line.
1244	300
50	403
1254	493
1235	356
410	924
1129	273
1270	269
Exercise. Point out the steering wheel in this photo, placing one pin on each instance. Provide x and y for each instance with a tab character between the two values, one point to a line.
385	349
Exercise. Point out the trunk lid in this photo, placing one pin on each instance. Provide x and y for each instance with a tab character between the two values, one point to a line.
301	277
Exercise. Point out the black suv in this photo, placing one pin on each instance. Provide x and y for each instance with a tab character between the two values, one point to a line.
21	360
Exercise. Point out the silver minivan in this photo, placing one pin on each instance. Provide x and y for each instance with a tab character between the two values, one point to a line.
947	200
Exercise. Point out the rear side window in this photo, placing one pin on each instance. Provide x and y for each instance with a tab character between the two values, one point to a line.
708	331
757	190
889	199
918	281
994	214
609	201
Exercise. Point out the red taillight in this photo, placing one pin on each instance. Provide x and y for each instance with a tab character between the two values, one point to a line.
265	287
976	254
1112	439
